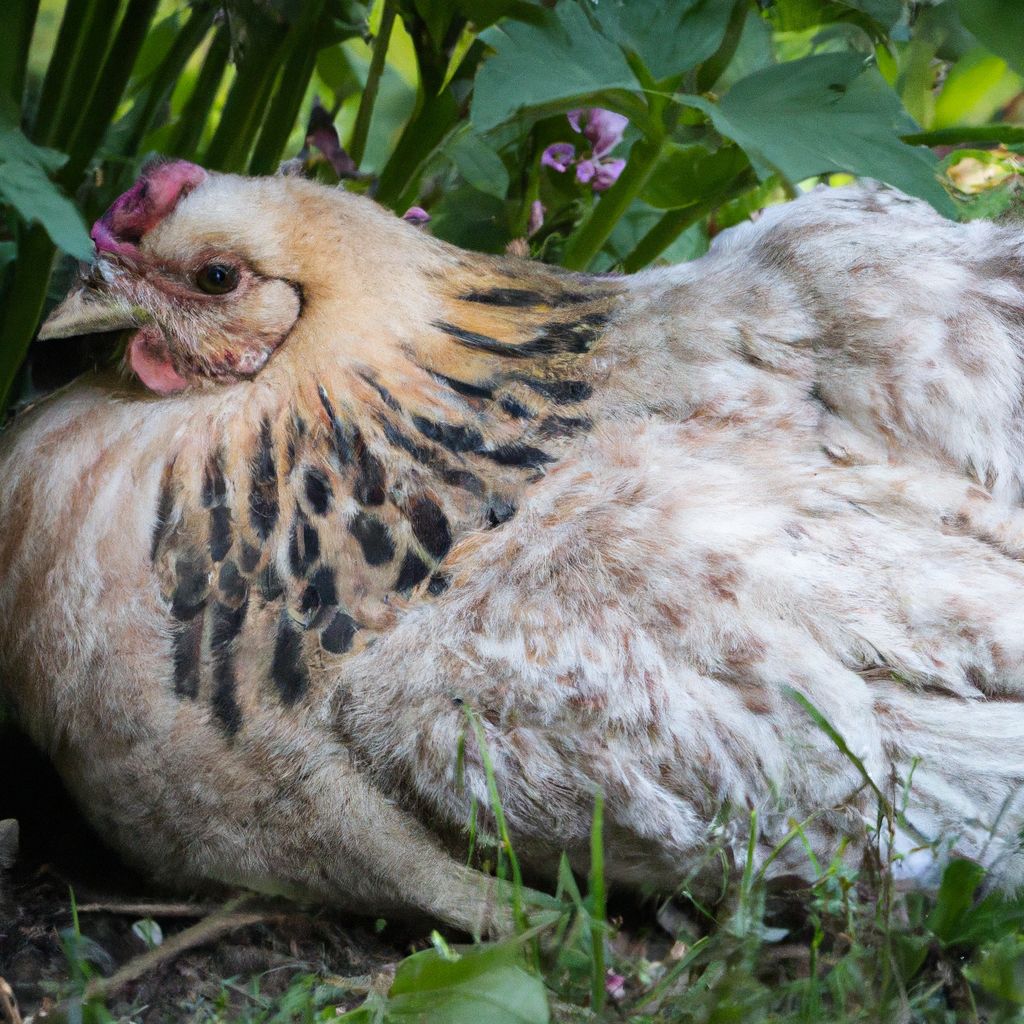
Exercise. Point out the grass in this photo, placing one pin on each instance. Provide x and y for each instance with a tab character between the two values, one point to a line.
850	946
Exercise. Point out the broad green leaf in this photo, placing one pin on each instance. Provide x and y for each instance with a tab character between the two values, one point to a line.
824	114
668	36
478	164
683	175
28	190
999	25
960	881
558	59
16	147
1000	972
977	86
486	984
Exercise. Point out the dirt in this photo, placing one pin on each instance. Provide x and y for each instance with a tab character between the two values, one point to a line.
59	854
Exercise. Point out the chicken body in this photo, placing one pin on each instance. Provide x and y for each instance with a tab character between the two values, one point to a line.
254	609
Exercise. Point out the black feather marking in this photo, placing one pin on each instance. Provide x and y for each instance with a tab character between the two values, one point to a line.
430	526
339	433
369	487
232	583
499	511
515	409
374	538
186	649
521	297
518	455
322	581
438	584
386	397
220	532
576	336
214	490
463	388
191	587
564	426
561	392
287	669
464	479
421	453
414	570
263	502
227	624
318	492
249	557
303	545
164	511
224	701
337	637
270	583
453	436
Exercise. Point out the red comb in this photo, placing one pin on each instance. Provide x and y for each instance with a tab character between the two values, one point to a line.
144	205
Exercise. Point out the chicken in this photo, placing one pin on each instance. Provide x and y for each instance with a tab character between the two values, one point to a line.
365	506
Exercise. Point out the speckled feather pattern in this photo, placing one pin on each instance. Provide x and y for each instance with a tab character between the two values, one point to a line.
618	518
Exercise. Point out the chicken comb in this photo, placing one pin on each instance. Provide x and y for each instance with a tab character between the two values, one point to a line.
144	205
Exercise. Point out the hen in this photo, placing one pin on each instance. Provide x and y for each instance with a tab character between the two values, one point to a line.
362	490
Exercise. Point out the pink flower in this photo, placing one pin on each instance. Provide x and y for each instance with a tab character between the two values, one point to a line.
615	986
416	215
559	155
603	128
537	212
585	171
607	174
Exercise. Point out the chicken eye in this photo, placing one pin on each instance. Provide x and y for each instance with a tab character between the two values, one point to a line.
217	278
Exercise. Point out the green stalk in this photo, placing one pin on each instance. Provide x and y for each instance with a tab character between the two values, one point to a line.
712	69
186	42
240	118
586	243
1009	134
284	108
188	132
109	87
81	74
14	43
599	908
361	130
23	304
57	79
674	222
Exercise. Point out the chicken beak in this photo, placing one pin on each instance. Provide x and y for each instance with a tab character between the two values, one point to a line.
89	311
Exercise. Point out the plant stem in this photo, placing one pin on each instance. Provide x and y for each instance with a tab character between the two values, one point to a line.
586	243
189	130
108	89
361	130
295	76
711	70
14	44
23	304
1007	133
599	908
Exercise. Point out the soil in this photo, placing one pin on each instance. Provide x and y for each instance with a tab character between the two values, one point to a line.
59	854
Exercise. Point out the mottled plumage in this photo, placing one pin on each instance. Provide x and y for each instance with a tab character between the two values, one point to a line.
382	481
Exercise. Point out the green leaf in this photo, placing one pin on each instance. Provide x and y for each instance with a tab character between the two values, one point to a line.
977	86
825	114
669	36
685	174
486	984
1000	971
999	24
478	164
28	190
960	882
558	59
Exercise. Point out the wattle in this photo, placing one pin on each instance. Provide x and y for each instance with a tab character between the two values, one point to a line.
150	359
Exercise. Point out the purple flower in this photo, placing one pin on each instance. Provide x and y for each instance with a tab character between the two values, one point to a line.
607	174
603	129
416	215
585	171
537	212
559	155
615	986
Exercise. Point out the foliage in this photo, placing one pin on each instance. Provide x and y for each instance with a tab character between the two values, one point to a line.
449	105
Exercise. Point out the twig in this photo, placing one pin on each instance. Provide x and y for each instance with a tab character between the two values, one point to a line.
150	909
